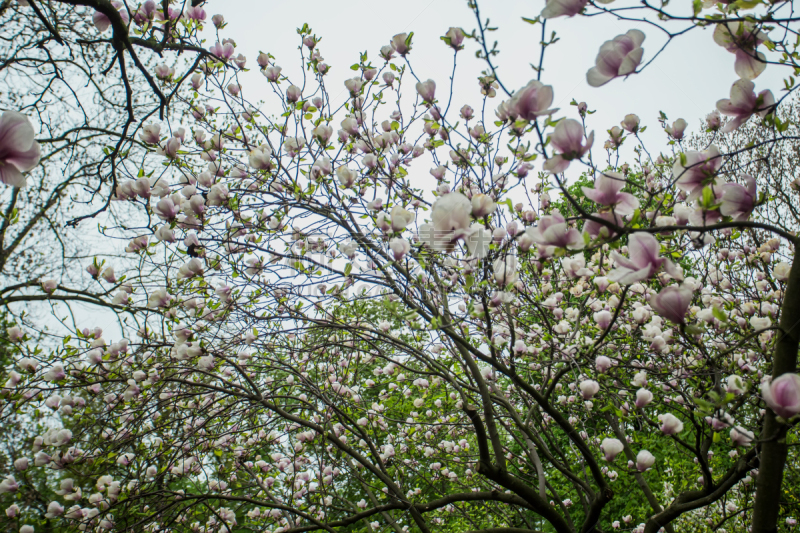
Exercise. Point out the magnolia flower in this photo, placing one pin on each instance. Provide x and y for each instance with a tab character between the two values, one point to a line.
676	130
741	437
450	220
273	73
399	247
738	201
644	261
630	123
426	90
505	270
699	170
455	36
261	158
781	271
782	395
567	139
644	460
603	319
159	298
293	145
670	424
589	388
744	103
222	51
618	57
167	208
54	510
531	101
482	205
742	39
760	322
19	152
607	192
347	176
401	218
151	133
602	364
553	230
401	43
672	302
353	85
598	230
643	397
611	448
563	8
348	249
102	22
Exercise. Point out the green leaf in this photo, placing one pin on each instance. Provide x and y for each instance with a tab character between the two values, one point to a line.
348	268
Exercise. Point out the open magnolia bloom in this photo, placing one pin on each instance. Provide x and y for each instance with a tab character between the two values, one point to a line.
696	170
568	140
644	261
742	39
617	57
607	192
744	103
19	152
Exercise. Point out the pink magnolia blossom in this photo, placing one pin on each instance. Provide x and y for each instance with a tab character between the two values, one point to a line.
195	13
598	230
744	103
563	8
676	130
644	460
450	221
167	208
611	448
567	139
643	397
672	302
738	201
782	395
102	22
607	192
670	424
151	133
531	101
589	388
553	230
644	261
741	437
19	152
222	51
401	43
618	57
742	39
455	36
699	170
399	247
426	90
630	123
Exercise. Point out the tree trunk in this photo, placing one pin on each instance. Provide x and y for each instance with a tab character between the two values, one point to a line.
773	436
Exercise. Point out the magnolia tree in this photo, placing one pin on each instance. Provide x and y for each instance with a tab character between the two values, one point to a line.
334	345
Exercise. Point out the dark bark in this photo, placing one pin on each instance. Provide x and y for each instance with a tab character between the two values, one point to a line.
773	435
